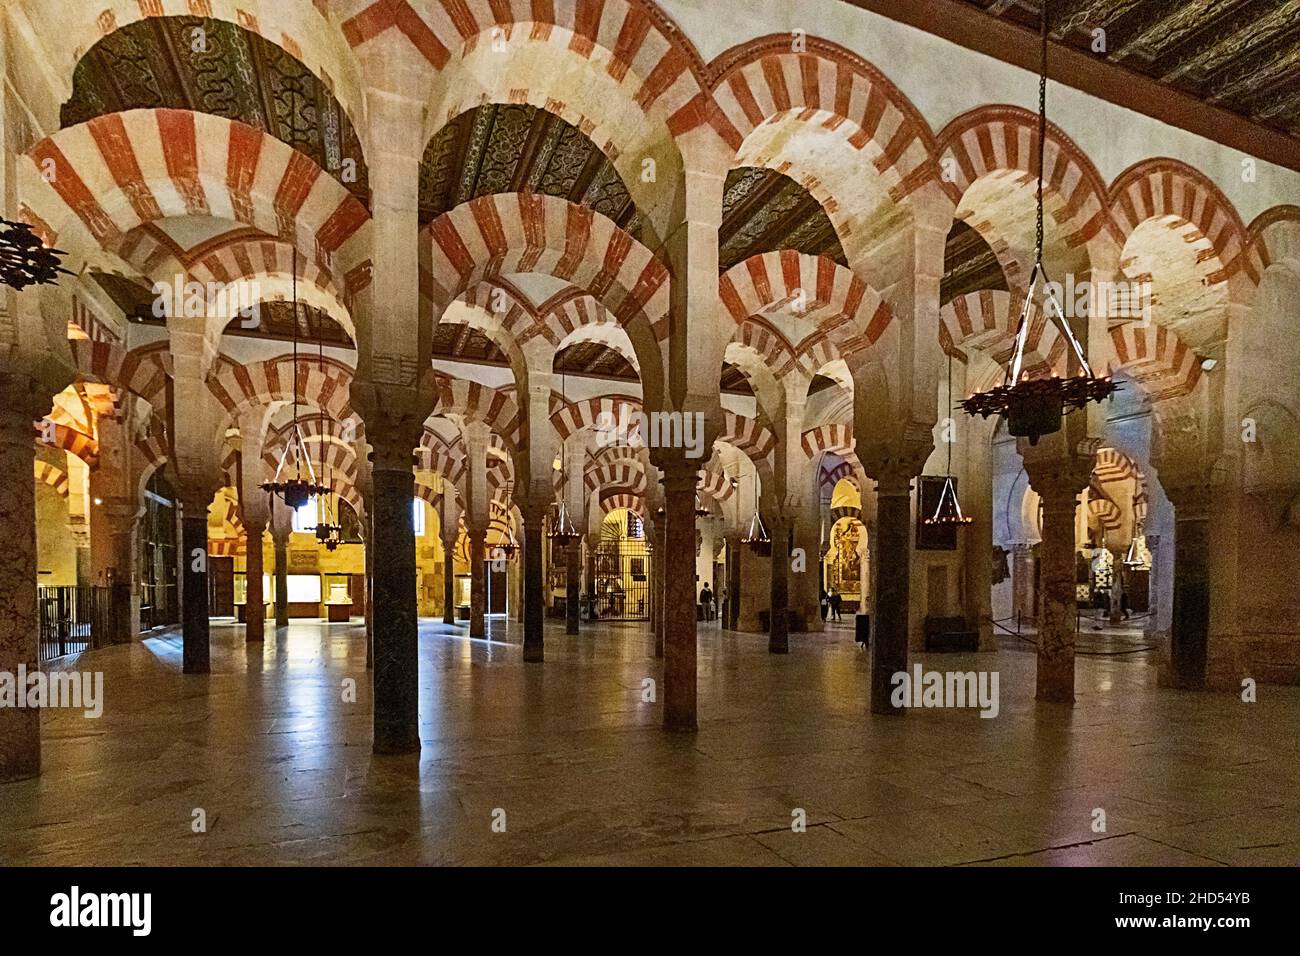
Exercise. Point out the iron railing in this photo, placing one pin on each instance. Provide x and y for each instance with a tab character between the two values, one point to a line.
70	617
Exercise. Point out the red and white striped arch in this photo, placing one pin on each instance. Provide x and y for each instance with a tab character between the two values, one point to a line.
529	232
1161	363
64	437
570	418
750	435
834	300
1274	236
52	475
494	406
993	139
325	385
1158	188
631	41
123	170
764	80
1107	513
715	485
628	475
613	499
986	321
833	436
142	372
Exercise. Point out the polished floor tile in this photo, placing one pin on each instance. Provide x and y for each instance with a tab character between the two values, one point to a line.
571	764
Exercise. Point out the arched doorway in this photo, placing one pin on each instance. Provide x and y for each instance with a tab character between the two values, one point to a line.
620	580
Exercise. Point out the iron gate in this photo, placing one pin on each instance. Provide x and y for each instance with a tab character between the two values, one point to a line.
622	581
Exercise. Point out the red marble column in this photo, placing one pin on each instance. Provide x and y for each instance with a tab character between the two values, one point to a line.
778	630
679	597
534	586
477	580
254	608
196	650
1189	637
573	586
893	586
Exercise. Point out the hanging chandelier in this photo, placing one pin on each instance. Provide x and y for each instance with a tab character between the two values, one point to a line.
25	260
562	530
1034	407
295	479
757	538
948	511
509	547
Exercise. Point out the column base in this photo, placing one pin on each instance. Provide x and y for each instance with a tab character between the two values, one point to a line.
395	739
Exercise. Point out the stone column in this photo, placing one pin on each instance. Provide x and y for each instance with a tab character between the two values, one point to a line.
679	597
369	521
660	576
396	653
20	728
195	498
804	586
1189	635
254	608
120	519
449	580
1059	486
893	584
280	536
573	585
477	579
534	598
778	631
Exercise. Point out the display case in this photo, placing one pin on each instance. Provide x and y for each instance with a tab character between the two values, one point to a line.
338	597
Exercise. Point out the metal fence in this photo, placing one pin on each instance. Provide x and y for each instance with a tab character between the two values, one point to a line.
69	618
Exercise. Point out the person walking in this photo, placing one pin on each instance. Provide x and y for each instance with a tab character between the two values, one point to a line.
836	602
706	601
825	604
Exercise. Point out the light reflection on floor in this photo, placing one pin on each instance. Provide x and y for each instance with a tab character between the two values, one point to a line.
274	750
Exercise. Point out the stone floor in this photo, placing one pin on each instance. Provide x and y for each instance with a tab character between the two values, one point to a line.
282	768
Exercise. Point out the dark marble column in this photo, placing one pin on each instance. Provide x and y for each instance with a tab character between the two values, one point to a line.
477	581
893	587
370	584
679	597
254	608
733	581
534	587
281	539
20	727
1057	617
573	585
396	680
778	629
659	573
196	647
1190	625
449	580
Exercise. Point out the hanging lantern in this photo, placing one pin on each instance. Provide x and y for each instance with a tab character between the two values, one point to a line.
562	530
509	547
1034	407
757	538
295	479
25	260
948	511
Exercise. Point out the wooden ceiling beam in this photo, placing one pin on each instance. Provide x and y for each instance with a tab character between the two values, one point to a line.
974	29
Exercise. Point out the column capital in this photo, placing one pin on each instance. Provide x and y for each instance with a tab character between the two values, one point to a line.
394	417
895	461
